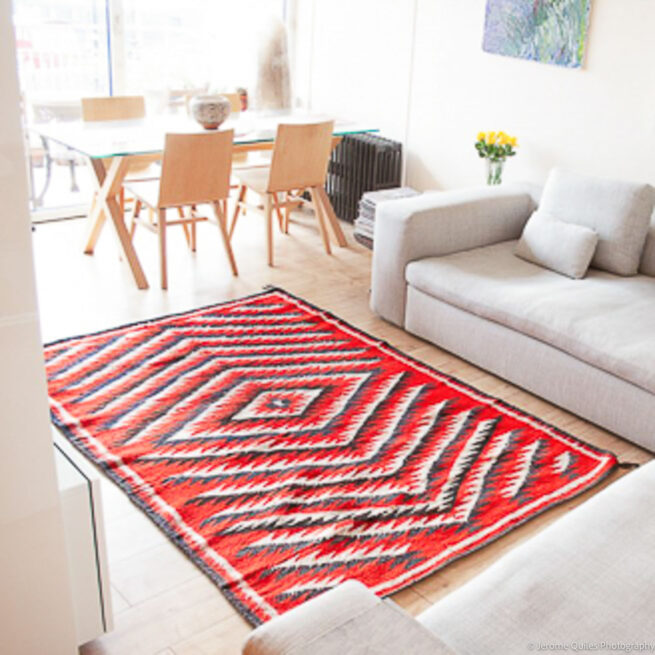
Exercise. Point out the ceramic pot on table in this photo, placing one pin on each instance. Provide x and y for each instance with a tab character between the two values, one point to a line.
210	110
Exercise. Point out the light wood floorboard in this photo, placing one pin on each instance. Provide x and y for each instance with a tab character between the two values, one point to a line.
163	604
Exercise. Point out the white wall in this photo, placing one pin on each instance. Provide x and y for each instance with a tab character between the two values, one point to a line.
35	605
600	119
353	58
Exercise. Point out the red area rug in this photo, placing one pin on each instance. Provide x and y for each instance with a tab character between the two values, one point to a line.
285	451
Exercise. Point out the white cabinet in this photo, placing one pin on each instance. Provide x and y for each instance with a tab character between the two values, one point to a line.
79	490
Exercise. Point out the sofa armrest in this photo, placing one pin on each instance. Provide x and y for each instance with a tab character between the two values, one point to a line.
296	628
348	620
435	224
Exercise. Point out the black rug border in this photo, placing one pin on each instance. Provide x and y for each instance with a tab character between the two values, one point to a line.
215	577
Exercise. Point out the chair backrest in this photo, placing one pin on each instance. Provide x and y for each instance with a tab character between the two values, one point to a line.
300	156
196	168
113	108
235	102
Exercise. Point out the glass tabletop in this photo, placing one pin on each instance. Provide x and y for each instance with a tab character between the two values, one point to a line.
102	139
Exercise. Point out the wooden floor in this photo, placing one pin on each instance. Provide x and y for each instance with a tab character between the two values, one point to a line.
163	604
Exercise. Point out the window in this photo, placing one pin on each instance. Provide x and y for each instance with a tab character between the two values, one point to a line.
68	49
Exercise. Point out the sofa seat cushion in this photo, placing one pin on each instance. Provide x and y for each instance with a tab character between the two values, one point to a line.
586	578
605	320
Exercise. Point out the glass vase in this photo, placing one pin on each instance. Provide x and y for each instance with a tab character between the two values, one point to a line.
495	171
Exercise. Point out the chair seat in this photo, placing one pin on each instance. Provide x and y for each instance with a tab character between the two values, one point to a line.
140	172
254	178
241	160
147	191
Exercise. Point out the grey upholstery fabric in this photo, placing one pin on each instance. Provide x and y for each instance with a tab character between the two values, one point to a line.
562	379
618	211
647	265
438	224
565	248
588	577
319	615
349	620
605	320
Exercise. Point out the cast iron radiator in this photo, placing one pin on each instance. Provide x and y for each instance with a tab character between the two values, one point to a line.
360	163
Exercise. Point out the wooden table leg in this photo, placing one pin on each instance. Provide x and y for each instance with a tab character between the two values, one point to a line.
221	218
331	216
320	217
106	205
96	218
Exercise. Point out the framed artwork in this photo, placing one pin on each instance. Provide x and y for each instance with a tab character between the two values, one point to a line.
549	31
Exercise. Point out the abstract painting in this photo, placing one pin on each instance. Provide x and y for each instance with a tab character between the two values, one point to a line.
549	31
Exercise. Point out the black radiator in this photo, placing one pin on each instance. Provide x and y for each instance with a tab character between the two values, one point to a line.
360	163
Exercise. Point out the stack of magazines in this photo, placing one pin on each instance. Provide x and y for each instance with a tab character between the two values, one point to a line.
365	221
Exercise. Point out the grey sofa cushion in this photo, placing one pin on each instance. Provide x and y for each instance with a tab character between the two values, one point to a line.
565	248
347	620
588	577
618	211
604	320
647	265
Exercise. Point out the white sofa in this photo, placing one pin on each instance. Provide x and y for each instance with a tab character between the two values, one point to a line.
583	584
444	269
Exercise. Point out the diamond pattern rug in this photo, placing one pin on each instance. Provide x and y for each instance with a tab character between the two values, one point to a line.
285	451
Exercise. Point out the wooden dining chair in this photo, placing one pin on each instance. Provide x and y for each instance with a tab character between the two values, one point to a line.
235	102
113	108
121	108
300	160
195	170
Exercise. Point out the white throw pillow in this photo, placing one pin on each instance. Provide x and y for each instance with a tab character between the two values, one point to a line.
562	247
618	211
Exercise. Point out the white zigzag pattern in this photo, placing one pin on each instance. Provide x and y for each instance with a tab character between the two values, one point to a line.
459	514
377	442
349	555
215	381
123	354
523	466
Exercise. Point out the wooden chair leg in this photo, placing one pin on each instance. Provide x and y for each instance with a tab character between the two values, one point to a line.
331	217
278	211
185	228
121	201
320	217
161	231
134	217
237	209
287	214
268	210
221	218
193	237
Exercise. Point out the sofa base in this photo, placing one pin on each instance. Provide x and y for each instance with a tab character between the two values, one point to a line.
560	378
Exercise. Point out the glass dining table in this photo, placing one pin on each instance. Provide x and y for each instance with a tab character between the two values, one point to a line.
113	146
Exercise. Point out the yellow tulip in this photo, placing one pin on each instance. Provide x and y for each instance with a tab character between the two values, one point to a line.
503	138
482	136
491	138
513	142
